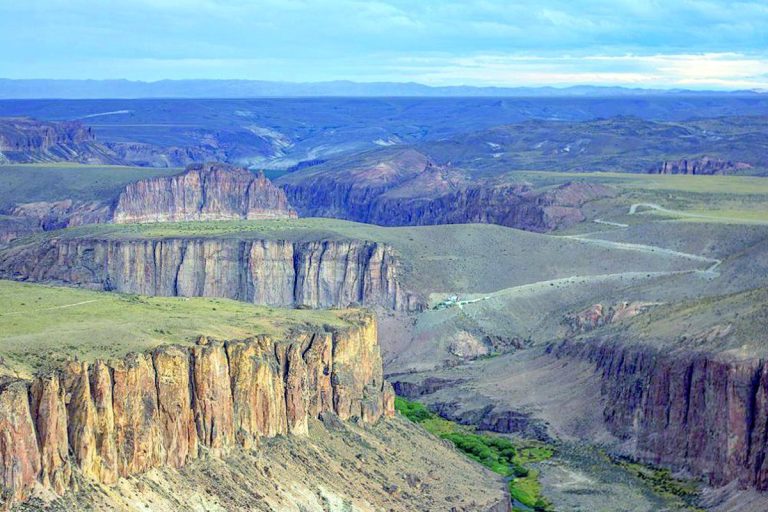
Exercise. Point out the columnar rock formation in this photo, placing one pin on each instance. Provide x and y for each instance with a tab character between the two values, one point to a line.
204	192
272	272
111	419
696	412
703	165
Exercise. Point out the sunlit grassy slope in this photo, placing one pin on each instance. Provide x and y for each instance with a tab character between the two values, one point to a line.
722	199
40	325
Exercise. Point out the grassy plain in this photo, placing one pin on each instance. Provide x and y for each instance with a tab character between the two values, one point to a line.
41	325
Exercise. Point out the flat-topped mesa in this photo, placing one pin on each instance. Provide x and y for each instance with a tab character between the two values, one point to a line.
111	419
210	191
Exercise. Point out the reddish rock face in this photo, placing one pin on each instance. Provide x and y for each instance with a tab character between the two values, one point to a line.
50	413
177	420
694	412
124	417
598	315
203	192
272	272
19	454
213	399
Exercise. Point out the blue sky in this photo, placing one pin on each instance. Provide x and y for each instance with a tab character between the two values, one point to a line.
638	43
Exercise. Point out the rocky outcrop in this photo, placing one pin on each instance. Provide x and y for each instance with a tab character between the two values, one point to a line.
24	140
12	228
52	215
204	192
696	412
703	165
110	419
405	187
599	315
271	272
27	140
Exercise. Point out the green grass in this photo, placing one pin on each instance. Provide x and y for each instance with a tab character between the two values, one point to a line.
499	454
738	185
679	491
41	326
26	183
731	199
446	259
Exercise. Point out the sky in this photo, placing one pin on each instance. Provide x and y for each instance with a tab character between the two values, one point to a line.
692	44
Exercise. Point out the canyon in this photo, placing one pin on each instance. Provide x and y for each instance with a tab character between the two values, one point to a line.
700	413
406	188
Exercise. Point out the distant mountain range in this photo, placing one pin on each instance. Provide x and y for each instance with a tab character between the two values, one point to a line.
88	89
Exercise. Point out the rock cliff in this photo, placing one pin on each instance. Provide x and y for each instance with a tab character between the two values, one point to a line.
404	187
24	140
272	272
697	412
203	192
62	214
703	165
107	420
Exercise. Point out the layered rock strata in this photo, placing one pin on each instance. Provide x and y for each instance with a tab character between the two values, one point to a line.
701	413
111	419
271	272
25	140
411	191
204	192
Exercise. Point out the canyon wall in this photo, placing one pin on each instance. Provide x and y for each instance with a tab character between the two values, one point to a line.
271	272
439	196
703	165
24	140
701	413
106	420
204	192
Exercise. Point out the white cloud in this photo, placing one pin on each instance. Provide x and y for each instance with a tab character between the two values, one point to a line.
710	70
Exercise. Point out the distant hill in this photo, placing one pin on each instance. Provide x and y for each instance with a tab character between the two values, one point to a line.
92	89
722	145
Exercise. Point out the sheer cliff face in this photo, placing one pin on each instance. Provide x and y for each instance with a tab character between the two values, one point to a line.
703	165
111	419
696	412
271	272
203	192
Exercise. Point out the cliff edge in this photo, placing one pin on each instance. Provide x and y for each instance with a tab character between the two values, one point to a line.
106	420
